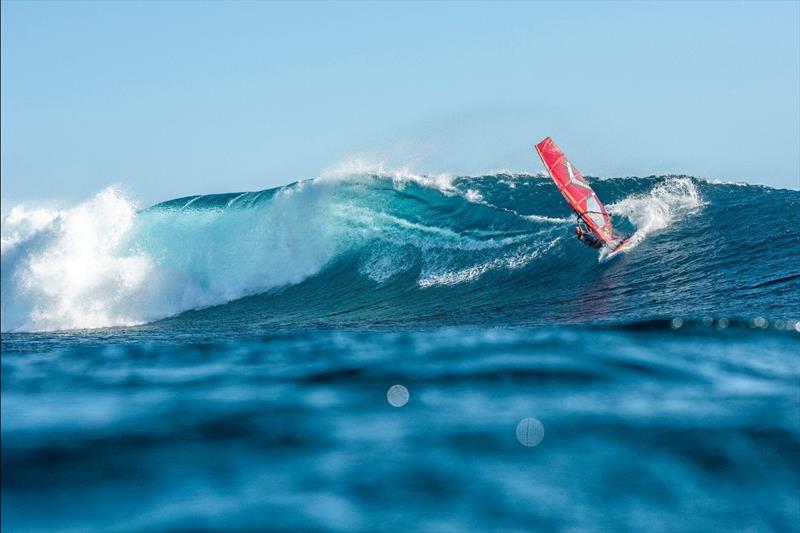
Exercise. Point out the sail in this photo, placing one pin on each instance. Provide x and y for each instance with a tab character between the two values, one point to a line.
577	191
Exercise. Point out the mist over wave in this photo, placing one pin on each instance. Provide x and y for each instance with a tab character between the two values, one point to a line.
364	246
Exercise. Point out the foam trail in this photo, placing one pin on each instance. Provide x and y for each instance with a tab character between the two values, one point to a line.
551	220
472	273
658	208
669	201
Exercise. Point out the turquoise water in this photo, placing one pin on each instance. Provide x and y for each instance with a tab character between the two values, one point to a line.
222	362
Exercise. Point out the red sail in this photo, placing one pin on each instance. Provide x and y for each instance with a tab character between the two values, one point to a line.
577	191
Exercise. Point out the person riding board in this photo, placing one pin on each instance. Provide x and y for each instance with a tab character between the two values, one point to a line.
586	236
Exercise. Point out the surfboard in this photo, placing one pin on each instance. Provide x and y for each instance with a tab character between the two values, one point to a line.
629	242
581	197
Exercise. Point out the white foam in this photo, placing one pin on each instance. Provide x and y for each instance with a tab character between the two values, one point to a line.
396	243
510	262
667	202
474	196
551	220
21	223
60	270
359	169
717	181
102	263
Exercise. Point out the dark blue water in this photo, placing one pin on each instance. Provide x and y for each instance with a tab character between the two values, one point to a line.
240	347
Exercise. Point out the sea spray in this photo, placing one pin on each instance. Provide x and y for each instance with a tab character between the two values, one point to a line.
62	269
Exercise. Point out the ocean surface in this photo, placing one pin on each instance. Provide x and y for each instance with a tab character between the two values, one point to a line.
223	362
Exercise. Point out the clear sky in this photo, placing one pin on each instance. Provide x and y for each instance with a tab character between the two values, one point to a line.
172	99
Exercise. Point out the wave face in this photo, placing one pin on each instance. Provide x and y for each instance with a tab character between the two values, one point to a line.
394	250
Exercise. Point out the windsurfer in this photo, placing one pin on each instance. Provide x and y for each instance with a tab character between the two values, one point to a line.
586	236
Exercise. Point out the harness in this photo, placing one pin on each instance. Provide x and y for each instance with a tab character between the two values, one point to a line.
585	235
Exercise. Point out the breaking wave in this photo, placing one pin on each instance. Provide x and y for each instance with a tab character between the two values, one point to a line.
367	246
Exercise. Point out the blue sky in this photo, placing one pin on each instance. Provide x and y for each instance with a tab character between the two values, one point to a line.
172	99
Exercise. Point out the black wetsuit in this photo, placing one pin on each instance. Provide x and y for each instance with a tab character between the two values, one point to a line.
588	238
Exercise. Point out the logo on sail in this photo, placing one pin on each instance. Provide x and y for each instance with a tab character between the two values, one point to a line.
575	179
